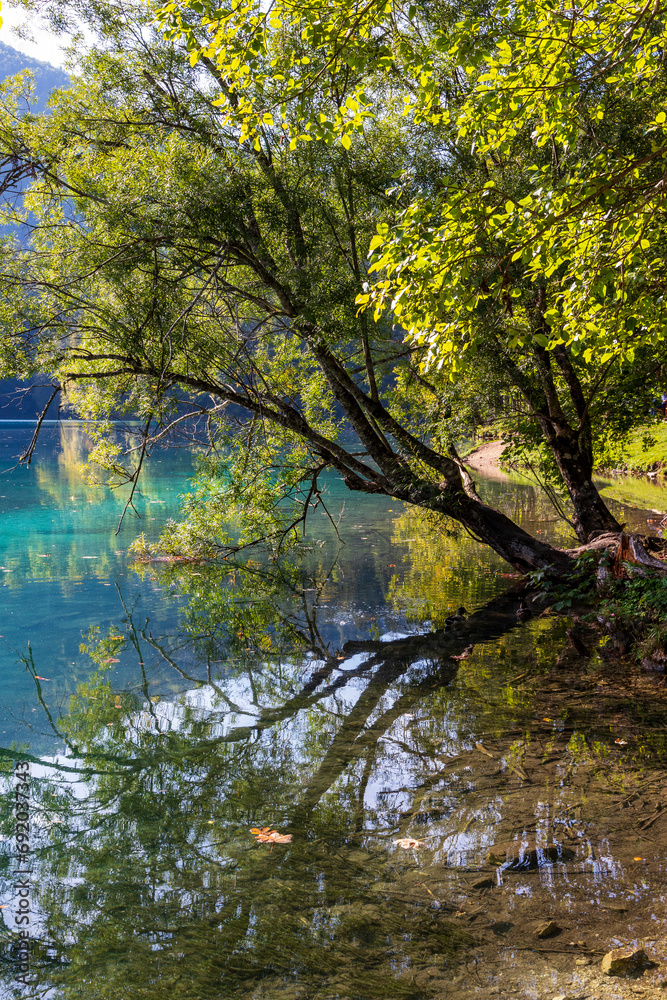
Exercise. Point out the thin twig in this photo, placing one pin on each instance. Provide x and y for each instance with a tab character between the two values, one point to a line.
26	457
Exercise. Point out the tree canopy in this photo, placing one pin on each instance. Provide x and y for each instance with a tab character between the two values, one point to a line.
551	137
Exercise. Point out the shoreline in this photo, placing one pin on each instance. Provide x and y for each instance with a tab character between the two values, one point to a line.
486	457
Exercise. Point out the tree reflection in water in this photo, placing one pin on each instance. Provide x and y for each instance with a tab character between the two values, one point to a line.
147	878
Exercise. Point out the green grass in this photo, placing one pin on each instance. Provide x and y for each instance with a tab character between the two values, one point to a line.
645	449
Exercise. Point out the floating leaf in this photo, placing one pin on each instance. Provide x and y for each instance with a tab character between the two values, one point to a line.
266	835
464	655
408	842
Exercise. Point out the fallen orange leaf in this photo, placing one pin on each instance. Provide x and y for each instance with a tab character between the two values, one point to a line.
266	835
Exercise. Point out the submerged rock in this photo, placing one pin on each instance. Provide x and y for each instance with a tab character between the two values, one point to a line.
483	883
624	961
525	854
500	926
547	929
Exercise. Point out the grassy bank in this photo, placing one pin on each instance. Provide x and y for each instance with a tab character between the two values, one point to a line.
645	450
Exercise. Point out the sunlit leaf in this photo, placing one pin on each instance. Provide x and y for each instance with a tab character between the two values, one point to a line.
408	842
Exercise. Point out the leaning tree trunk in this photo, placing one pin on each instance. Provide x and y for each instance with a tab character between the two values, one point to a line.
455	496
491	526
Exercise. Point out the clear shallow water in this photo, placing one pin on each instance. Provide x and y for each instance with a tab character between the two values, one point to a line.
327	707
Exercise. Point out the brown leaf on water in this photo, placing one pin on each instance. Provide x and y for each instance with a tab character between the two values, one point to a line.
464	655
265	835
408	842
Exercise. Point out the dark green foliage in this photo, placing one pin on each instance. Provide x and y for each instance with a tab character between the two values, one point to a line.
637	603
577	589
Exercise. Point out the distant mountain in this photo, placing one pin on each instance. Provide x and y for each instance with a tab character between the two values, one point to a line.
47	77
13	403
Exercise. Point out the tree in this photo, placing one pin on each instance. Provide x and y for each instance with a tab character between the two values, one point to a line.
540	244
191	239
541	259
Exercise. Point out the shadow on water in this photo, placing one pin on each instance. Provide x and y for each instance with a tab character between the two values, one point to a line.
333	704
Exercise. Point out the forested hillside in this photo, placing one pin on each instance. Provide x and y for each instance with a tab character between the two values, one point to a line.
46	79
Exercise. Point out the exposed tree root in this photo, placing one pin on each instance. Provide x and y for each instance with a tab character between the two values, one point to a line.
625	548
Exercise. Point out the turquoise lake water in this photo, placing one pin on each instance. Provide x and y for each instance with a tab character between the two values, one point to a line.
64	569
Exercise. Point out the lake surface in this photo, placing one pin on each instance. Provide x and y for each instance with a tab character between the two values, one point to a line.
153	716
